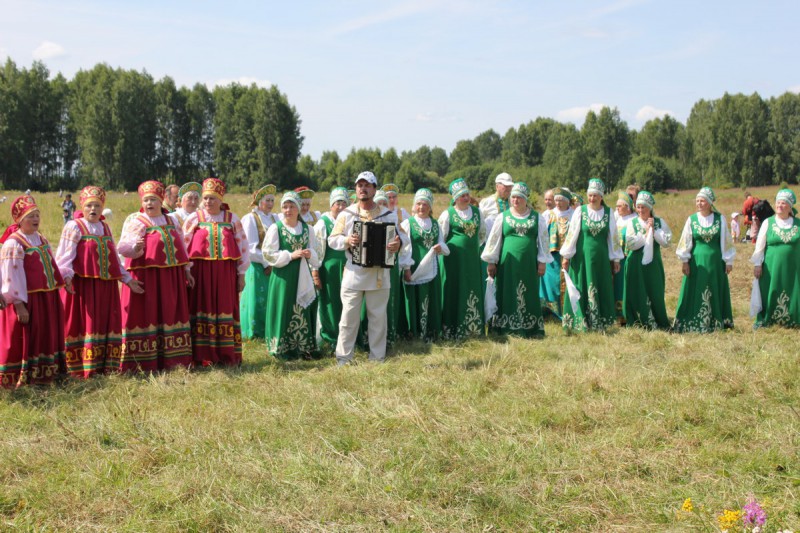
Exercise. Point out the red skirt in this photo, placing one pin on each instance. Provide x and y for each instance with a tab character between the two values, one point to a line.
93	321
155	333
32	353
214	309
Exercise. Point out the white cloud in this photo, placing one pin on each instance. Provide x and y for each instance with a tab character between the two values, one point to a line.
649	112
243	80
436	117
48	50
578	114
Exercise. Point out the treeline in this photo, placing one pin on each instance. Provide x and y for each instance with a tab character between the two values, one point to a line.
736	140
117	127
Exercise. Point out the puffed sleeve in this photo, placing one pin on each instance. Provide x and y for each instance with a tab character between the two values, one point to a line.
314	261
444	224
634	240
445	248
189	225
404	259
726	242
663	235
68	249
544	255
12	270
494	244
761	244
321	236
250	228
483	229
342	228
569	248
132	232
614	249
273	255
243	263
684	249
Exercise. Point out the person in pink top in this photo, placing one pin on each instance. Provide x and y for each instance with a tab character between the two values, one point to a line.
31	319
218	249
88	261
155	330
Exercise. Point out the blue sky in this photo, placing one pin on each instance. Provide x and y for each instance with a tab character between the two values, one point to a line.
408	72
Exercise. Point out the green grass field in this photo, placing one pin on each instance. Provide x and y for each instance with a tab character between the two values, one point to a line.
595	432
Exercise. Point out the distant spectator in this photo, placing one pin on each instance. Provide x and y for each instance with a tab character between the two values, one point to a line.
171	198
750	219
68	207
735	230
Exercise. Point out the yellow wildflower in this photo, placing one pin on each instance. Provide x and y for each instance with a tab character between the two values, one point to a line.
729	520
687	505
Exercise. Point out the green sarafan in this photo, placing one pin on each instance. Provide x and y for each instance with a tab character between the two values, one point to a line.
592	432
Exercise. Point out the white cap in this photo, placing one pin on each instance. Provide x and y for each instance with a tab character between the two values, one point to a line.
734	215
368	176
504	179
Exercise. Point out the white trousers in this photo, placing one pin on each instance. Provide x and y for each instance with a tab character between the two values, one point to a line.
377	301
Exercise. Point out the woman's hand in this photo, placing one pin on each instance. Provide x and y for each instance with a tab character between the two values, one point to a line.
685	268
565	264
437	249
317	279
491	270
135	286
240	282
22	312
407	275
615	267
757	272
728	269
68	286
541	269
189	279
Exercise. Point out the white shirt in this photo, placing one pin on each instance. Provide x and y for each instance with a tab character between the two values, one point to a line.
250	226
569	248
761	241
685	245
494	243
466	214
634	240
356	277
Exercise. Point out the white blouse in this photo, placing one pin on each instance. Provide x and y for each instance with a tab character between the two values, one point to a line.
569	248
425	224
133	231
761	241
68	248
250	227
190	225
12	269
466	214
494	244
277	258
685	245
634	240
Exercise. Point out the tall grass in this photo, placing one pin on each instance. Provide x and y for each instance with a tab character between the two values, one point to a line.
590	432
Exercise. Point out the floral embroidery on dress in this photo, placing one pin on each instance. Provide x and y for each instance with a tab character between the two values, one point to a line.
469	227
521	319
521	227
706	234
785	235
594	227
781	314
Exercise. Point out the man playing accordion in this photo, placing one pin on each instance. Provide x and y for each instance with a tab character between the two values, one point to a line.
368	284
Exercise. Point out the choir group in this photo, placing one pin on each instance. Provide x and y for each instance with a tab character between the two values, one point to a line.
184	287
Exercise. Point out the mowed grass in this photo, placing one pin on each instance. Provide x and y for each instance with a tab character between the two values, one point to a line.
584	432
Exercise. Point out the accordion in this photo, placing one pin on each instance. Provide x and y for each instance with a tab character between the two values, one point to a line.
374	236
